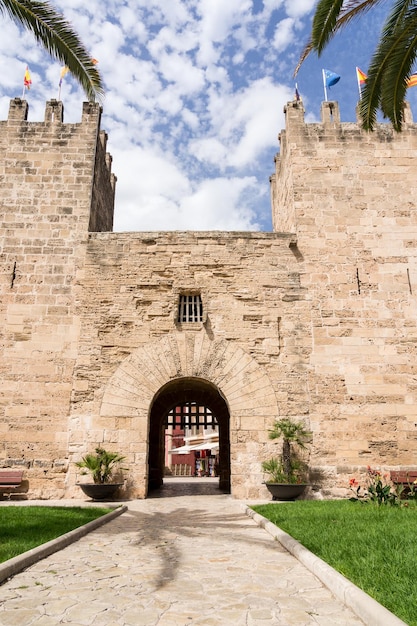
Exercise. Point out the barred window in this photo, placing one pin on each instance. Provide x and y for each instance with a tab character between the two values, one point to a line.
190	308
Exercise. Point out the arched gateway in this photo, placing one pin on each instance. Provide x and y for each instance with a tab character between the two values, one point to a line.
181	367
179	392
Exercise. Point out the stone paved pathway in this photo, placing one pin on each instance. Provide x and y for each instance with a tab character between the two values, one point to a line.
176	560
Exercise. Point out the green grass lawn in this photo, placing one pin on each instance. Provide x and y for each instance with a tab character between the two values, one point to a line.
374	547
25	527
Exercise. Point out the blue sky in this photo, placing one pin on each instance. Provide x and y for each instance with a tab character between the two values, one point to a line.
195	91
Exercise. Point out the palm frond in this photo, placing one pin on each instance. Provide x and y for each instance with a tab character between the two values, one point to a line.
390	66
402	43
330	17
354	9
306	51
324	21
290	430
59	39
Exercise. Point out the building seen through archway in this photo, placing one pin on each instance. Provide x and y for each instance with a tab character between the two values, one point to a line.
189	417
191	441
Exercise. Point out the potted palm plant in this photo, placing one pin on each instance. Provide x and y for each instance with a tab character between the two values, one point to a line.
101	466
287	473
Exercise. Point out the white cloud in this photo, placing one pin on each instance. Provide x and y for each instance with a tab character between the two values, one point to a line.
194	96
211	150
243	124
157	196
219	17
272	5
299	8
219	204
284	34
148	185
181	71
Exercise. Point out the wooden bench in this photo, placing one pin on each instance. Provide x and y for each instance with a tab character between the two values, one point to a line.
405	478
10	480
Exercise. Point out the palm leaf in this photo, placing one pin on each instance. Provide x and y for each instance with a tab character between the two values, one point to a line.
324	23
290	431
402	41
58	38
354	9
385	87
330	17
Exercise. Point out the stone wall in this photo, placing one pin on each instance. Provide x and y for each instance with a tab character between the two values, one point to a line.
315	321
46	174
253	345
353	198
104	184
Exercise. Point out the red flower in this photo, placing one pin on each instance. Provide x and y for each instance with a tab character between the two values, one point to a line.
353	482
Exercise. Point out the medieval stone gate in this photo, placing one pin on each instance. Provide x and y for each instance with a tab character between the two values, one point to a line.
316	320
178	368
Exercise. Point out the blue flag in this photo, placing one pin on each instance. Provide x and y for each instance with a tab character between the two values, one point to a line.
330	78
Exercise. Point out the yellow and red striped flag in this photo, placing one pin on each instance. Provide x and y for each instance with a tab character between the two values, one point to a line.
412	81
27	80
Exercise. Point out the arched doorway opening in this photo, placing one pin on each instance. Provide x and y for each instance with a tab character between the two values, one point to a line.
180	392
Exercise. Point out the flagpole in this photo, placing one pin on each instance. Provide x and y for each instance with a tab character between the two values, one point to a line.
324	86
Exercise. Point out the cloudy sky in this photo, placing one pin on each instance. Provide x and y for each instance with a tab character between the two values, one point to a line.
195	91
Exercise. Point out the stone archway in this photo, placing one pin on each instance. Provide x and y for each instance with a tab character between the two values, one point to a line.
180	391
130	393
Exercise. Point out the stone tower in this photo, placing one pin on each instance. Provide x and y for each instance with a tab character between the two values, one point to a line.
350	198
56	186
315	320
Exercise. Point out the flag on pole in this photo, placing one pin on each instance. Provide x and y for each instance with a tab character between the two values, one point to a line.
361	77
412	80
27	81
297	93
64	71
329	79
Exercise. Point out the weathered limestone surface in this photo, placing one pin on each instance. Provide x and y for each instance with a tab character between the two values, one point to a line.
253	345
46	175
350	196
316	320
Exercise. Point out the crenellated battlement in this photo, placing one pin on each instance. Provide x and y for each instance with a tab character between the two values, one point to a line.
54	112
330	121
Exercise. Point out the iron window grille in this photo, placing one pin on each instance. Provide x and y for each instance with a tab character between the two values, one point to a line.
190	309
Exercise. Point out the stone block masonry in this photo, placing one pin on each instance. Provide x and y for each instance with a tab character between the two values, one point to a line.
314	321
131	343
49	172
350	197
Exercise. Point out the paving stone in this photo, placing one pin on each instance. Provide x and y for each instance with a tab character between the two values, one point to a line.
177	560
